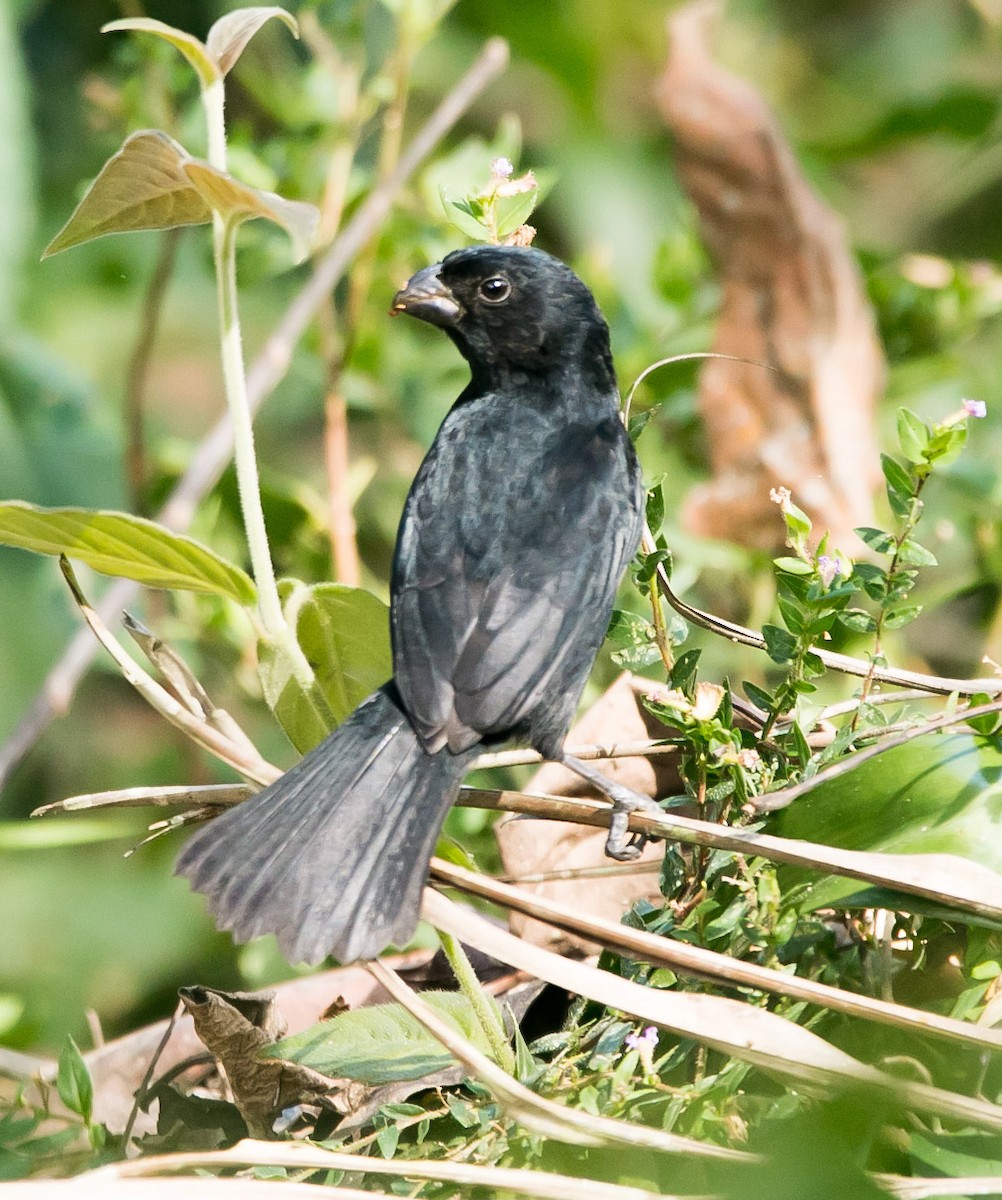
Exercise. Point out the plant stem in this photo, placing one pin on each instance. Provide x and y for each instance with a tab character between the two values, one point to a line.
469	985
224	233
878	655
661	637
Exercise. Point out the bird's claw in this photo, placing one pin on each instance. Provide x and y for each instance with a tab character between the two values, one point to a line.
625	802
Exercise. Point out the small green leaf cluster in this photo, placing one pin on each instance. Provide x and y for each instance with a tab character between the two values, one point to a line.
812	590
499	212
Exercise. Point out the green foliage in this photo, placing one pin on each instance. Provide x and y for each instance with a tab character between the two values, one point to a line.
121	935
383	1043
123	545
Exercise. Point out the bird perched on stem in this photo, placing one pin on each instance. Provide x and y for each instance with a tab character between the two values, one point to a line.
517	529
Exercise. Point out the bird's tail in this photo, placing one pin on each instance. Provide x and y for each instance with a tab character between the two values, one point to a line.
332	857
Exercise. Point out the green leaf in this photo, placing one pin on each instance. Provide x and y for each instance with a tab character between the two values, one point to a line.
462	1112
900	486
655	507
647	567
913	435
871	578
459	214
73	1081
987	724
142	186
955	1154
757	695
629	629
779	644
915	555
938	795
858	620
345	634
193	50
797	521
876	539
387	1138
123	545
300	709
793	566
636	656
230	34
511	212
236	201
382	1043
900	615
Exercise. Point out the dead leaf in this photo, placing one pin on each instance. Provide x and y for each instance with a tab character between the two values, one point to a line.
793	298
530	847
235	1027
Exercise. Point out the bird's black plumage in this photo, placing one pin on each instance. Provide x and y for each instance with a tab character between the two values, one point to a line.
516	531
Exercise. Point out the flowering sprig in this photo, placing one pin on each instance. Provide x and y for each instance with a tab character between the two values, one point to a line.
644	1044
498	212
812	589
923	447
719	763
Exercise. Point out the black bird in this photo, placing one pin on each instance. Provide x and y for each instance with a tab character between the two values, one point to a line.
517	529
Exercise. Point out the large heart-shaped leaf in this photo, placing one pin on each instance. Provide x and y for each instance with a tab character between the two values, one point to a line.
344	634
382	1043
142	186
938	795
123	545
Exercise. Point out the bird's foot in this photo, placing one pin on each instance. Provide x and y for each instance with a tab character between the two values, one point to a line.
624	802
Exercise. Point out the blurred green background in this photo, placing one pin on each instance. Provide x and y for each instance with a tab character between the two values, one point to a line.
893	108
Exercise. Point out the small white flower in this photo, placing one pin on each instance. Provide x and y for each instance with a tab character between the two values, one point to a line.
707	701
502	168
975	408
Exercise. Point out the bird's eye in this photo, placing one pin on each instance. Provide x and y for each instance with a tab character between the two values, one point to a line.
495	290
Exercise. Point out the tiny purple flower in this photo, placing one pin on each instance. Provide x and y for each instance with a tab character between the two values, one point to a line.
502	168
642	1041
830	568
975	408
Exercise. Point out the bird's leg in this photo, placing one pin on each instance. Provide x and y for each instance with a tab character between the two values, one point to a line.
624	801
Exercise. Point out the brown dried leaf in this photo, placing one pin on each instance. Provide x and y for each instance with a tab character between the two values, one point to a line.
792	298
230	34
531	847
118	1068
142	186
235	1026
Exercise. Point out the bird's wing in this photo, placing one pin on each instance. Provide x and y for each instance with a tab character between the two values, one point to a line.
508	560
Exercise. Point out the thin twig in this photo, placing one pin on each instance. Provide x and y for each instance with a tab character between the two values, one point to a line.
524	758
701	963
930	876
772	801
837	662
140	1093
138	369
216	795
529	1109
252	767
267	370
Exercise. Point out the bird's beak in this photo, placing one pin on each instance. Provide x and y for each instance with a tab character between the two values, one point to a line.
426	297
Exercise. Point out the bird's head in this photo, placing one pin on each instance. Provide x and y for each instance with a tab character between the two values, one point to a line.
511	307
